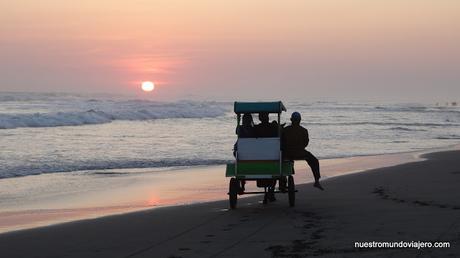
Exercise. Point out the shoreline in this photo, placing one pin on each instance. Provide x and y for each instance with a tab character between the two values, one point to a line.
58	211
143	191
406	202
188	167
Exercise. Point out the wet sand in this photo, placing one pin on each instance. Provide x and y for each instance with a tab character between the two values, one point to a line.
416	201
46	199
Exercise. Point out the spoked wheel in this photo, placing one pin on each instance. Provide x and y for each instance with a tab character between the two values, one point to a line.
233	192
291	191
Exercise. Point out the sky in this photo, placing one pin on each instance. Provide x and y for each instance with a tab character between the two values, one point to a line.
225	50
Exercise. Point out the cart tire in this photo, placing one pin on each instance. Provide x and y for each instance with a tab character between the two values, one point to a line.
233	192
291	191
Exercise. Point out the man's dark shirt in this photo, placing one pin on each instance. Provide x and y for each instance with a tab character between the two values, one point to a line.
245	131
266	129
294	140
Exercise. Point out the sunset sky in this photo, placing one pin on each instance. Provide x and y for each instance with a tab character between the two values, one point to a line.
223	50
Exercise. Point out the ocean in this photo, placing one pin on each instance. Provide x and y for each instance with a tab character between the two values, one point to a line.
58	133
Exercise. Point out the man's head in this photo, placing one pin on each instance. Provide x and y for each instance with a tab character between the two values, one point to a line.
295	118
263	117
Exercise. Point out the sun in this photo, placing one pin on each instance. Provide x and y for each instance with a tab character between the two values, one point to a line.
147	86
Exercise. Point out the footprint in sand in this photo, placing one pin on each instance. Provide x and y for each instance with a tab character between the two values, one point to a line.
381	192
421	203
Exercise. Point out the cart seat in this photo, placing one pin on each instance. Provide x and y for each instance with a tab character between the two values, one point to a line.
259	158
258	149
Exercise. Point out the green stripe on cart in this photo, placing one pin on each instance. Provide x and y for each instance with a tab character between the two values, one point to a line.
263	169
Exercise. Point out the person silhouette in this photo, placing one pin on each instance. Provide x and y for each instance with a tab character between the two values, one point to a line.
294	141
246	129
265	128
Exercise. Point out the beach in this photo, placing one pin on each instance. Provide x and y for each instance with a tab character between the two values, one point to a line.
415	201
123	122
51	198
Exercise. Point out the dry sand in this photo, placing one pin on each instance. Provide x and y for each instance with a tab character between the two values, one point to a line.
417	201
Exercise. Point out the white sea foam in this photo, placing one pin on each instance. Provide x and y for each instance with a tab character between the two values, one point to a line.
91	111
399	126
101	166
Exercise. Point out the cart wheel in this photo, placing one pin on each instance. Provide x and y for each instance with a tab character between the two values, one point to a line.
233	192
291	191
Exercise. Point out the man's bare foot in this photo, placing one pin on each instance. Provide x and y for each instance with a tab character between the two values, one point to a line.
318	185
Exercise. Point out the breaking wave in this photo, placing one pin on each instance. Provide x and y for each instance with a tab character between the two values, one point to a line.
448	137
100	112
398	126
401	128
97	165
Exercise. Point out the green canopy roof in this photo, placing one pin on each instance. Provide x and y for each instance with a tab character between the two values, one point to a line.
257	107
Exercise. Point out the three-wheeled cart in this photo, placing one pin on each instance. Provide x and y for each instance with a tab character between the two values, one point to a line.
260	159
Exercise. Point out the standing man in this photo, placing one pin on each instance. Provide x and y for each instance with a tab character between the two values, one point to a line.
294	141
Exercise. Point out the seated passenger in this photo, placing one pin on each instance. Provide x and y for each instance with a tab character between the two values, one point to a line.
246	129
294	141
265	128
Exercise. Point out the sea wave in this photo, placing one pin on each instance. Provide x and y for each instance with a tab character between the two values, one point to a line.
403	108
448	137
100	112
419	109
401	128
27	170
396	124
